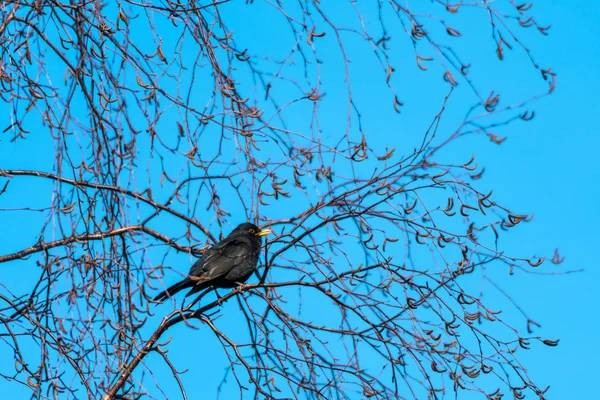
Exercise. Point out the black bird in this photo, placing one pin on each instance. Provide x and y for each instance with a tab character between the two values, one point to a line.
227	263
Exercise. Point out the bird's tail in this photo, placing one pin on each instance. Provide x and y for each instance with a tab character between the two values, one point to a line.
187	282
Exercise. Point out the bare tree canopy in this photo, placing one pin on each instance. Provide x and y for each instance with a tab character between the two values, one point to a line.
143	132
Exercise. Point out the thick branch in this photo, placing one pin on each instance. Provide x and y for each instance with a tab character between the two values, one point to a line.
173	318
91	236
79	184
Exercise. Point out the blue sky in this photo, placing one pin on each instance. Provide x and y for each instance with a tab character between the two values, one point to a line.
546	167
554	173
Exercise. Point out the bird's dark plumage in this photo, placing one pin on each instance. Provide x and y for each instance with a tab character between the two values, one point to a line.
227	263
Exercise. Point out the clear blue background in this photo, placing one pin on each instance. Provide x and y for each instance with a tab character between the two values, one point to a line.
548	167
554	171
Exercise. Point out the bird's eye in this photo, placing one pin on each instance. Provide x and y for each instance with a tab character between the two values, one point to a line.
251	230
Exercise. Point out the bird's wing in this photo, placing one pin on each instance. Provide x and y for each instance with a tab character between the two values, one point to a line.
219	260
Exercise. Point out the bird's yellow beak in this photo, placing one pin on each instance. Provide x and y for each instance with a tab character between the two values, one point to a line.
264	232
